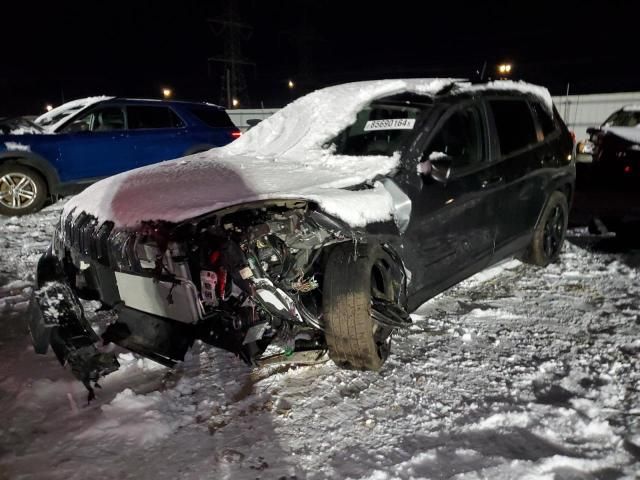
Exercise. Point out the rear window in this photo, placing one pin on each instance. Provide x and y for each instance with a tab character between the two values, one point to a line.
213	117
144	116
514	123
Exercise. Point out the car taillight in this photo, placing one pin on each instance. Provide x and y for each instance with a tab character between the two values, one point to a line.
236	134
573	136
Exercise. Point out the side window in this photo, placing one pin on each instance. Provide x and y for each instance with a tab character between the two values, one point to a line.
514	123
213	117
544	119
145	117
459	140
101	120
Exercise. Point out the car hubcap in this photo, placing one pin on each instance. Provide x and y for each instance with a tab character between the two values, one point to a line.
553	232
17	190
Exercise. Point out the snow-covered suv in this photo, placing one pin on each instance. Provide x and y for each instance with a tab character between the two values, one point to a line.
317	231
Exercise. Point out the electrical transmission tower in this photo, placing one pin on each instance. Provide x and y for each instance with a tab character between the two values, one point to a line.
234	33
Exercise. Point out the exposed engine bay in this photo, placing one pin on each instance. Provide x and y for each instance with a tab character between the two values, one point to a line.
242	279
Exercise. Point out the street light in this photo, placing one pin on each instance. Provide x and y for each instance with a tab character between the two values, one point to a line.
166	93
291	84
235	102
49	107
504	69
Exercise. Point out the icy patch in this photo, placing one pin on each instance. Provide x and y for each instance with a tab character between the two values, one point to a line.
137	419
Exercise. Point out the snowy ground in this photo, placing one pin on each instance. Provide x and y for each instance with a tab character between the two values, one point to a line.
516	373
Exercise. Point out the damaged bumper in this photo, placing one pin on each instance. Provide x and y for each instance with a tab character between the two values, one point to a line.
56	318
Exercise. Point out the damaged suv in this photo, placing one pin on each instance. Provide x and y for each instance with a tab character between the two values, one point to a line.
315	233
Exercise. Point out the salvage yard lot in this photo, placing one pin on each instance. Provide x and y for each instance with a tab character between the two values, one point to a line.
518	372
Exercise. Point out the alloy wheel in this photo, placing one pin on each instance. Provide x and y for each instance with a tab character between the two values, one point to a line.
17	190
553	232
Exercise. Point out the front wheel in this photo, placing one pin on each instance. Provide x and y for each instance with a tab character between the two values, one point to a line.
22	190
548	237
352	278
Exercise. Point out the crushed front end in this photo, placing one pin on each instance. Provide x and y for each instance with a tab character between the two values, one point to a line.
240	279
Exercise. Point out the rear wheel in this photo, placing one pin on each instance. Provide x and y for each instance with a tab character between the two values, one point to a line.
22	190
548	237
354	339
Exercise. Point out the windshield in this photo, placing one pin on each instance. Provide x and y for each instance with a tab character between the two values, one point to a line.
380	129
623	118
57	116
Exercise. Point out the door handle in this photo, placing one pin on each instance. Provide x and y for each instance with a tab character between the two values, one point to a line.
492	182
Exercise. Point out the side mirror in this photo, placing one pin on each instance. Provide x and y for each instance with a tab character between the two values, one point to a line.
592	130
252	122
438	166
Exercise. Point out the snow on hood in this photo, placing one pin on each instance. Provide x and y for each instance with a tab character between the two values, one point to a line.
51	120
628	133
280	158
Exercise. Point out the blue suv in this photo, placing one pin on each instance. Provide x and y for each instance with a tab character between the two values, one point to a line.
81	142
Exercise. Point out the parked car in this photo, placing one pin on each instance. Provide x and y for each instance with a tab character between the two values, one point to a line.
607	195
83	141
318	230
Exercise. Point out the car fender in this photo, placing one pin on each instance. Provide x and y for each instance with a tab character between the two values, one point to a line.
34	161
563	182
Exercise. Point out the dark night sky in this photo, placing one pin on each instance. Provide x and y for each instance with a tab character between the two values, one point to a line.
73	49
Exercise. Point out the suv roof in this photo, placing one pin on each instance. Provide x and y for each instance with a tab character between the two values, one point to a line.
156	101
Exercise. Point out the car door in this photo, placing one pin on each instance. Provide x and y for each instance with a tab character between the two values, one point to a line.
450	235
157	133
95	145
520	162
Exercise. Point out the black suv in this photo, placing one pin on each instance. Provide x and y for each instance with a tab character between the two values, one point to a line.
317	231
607	194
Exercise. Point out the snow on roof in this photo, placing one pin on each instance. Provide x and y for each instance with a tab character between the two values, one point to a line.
56	117
310	121
282	157
541	92
632	108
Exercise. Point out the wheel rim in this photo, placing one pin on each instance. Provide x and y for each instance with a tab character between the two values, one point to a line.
17	190
379	289
553	232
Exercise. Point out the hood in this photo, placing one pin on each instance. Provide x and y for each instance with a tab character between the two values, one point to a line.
185	188
631	134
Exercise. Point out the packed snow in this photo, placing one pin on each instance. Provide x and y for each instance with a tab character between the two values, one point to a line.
283	157
518	372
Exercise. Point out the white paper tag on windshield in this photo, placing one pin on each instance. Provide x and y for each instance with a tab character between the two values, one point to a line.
390	124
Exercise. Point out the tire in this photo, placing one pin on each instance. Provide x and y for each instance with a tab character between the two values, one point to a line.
32	194
354	339
550	232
